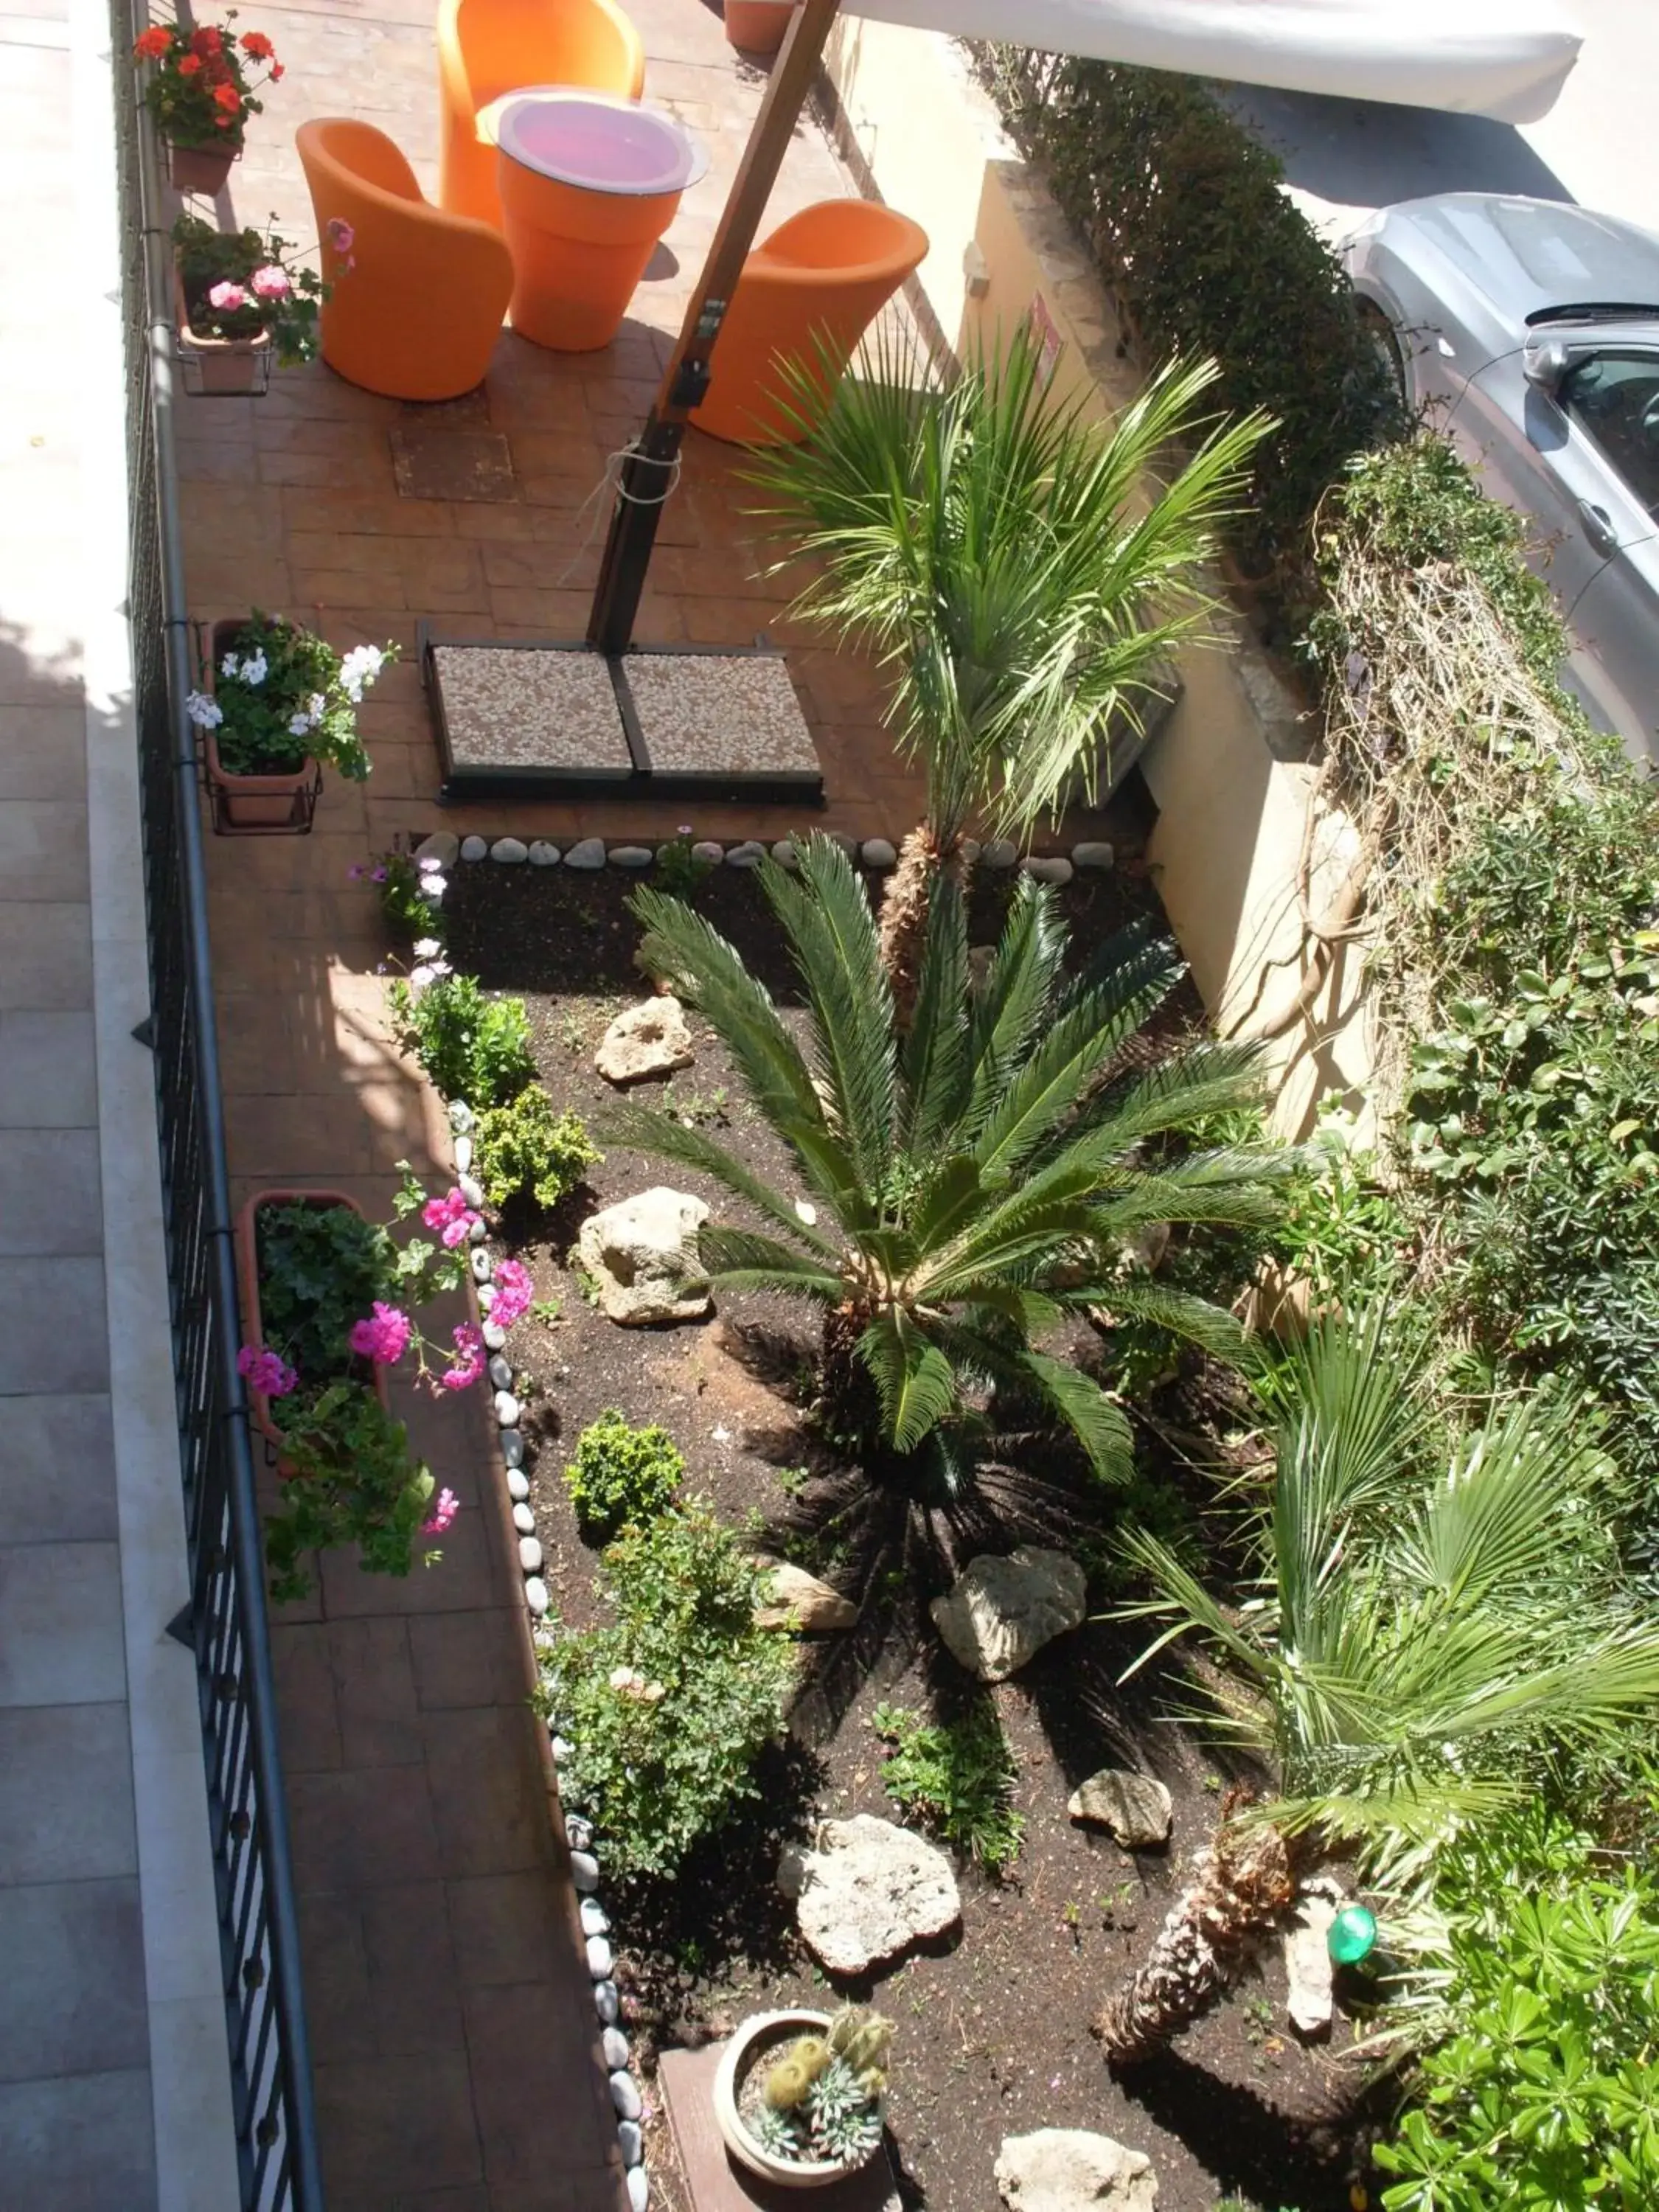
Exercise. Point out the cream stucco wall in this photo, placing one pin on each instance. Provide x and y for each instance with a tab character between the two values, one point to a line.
1233	817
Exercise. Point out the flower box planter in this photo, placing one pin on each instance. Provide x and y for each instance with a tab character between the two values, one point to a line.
757	26
200	169
741	2055
275	805
220	368
248	1285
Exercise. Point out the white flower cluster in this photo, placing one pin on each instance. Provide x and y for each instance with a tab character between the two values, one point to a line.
205	713
251	668
309	717
433	882
359	670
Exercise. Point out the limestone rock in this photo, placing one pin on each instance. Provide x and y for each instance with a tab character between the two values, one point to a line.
1308	1969
586	852
878	852
1135	1806
511	852
799	1600
868	1891
645	1041
1057	871
443	846
642	1253
1070	2170
1093	854
1000	854
543	853
474	848
630	856
1001	1612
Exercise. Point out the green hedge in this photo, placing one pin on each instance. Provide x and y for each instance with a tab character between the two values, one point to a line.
1206	255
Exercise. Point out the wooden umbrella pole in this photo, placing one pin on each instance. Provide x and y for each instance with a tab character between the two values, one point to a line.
647	474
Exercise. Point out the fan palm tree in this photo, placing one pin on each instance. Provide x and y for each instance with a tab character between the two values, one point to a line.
1017	566
1434	1614
968	1183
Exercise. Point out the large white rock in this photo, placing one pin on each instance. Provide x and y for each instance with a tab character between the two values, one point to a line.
1136	1807
511	852
443	846
1001	1612
1070	2169
645	1041
586	852
642	1252
1309	1973
868	1892
798	1600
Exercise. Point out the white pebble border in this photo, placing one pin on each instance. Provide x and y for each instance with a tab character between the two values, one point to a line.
876	853
627	2099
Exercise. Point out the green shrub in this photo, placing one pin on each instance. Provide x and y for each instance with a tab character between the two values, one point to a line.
621	1474
956	1778
525	1148
321	1268
472	1046
351	1481
1206	256
1545	2096
668	1707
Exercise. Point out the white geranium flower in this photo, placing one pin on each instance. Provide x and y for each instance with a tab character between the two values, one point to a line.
253	668
316	707
434	887
427	947
420	977
228	666
300	726
358	669
205	713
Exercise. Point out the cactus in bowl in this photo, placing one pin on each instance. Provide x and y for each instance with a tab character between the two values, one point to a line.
820	2101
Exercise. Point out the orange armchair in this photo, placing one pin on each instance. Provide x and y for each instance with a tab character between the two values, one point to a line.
807	294
487	47
418	316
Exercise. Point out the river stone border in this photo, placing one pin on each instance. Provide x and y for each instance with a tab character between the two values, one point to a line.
876	854
627	2098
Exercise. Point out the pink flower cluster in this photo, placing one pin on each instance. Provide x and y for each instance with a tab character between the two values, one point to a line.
382	1336
469	1360
452	1217
514	1293
264	1372
443	1513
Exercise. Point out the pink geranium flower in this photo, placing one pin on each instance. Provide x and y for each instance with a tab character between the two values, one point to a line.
341	236
271	283
451	1217
227	297
514	1293
382	1336
264	1372
443	1513
469	1360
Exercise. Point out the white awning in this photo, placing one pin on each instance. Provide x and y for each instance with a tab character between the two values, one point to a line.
1504	58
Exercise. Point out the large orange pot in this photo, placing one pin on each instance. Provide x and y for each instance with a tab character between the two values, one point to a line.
757	26
589	187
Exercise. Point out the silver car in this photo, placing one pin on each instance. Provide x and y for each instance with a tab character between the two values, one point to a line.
1531	330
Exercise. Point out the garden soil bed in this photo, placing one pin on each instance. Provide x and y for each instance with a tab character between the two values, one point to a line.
993	2026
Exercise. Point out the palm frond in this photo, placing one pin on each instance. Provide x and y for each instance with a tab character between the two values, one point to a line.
916	1382
935	1062
647	1129
741	1260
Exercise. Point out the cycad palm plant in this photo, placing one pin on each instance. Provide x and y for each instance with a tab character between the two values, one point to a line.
970	1182
1019	567
1435	1616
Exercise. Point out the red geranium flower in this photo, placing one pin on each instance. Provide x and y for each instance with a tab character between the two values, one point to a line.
152	43
190	65
228	97
256	43
276	72
208	40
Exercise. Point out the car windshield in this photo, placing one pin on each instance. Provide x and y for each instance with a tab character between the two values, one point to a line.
1614	397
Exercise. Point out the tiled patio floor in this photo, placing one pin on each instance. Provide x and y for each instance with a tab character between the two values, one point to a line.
452	2029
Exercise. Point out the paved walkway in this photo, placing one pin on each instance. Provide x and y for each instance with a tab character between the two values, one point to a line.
114	2091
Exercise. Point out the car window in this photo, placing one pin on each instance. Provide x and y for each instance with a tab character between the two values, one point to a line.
1614	396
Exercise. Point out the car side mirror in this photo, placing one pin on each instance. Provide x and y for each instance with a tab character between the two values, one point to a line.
1543	364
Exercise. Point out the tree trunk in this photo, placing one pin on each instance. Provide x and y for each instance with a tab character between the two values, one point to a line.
1243	1883
904	905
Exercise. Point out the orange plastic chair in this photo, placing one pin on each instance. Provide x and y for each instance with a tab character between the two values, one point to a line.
418	316
487	47
807	294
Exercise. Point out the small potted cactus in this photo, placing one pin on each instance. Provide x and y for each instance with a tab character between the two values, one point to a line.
799	2095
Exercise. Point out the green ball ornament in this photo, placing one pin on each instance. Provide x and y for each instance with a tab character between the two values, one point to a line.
1352	1934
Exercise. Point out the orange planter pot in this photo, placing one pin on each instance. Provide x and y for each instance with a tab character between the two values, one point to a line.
275	805
248	1285
220	368
589	186
757	26
200	169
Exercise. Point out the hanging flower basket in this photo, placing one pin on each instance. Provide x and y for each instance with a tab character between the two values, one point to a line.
220	368
277	702
201	88
248	1285
200	169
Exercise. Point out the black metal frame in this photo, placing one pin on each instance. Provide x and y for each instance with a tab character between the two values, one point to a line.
465	781
224	1623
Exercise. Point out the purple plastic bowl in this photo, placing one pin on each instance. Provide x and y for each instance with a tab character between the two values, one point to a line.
600	145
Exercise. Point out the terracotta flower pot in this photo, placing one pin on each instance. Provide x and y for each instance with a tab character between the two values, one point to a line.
220	368
281	803
200	169
780	2027
758	26
248	1285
